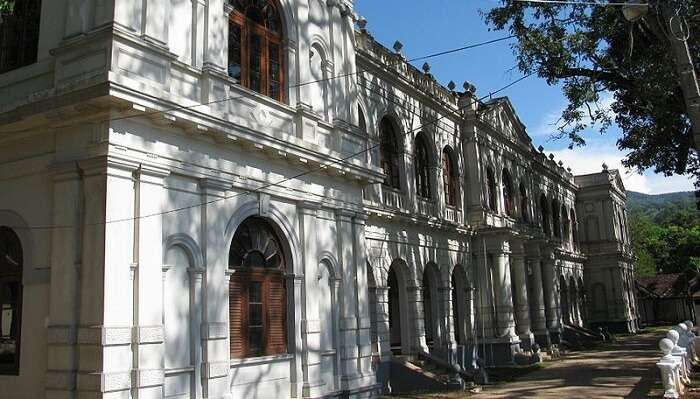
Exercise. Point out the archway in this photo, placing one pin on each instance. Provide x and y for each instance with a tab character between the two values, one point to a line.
460	308
431	310
372	299
573	302
11	265
399	323
564	301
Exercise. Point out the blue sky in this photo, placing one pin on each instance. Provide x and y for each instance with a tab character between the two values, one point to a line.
428	26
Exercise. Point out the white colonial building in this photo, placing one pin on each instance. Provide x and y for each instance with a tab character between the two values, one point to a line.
255	199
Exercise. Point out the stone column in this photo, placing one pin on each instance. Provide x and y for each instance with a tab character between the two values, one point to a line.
520	300
536	297
311	333
364	339
483	297
148	374
65	270
216	358
196	285
349	351
104	339
502	292
551	292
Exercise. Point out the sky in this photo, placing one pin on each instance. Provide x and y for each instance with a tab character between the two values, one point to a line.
429	26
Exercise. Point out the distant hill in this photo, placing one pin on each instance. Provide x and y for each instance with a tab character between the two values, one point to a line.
664	209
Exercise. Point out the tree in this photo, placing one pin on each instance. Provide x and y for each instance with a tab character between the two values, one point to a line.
7	6
593	51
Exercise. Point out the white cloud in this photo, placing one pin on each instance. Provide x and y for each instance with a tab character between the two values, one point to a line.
590	159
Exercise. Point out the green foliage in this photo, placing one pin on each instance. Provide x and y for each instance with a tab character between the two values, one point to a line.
665	232
593	52
7	6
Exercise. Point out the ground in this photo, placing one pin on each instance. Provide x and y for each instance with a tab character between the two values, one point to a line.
625	369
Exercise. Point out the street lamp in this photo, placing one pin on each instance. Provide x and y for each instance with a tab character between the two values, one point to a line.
635	10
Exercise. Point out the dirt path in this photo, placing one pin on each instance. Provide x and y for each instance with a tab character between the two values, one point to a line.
622	370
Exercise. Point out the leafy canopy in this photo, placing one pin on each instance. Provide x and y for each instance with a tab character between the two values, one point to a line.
593	52
7	6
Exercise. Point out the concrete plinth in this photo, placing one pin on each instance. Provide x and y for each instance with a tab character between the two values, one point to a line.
526	341
500	351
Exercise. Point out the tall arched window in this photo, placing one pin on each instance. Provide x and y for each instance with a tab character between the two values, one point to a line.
11	262
490	189
19	34
449	177
574	229
508	194
255	39
361	121
257	291
544	211
389	153
566	228
421	162
524	204
556	223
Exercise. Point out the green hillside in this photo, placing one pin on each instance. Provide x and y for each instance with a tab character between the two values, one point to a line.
665	231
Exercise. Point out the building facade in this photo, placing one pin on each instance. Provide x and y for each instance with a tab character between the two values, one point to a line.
223	199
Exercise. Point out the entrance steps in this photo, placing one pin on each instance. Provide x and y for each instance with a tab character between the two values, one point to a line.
410	373
577	337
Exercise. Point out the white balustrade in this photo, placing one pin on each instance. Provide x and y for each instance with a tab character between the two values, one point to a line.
669	366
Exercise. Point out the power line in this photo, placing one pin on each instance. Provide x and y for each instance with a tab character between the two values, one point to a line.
425	57
187	107
583	3
268	185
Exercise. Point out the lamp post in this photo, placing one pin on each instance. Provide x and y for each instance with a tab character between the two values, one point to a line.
634	11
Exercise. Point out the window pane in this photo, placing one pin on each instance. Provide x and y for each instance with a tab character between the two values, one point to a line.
255	341
274	70
234	51
8	323
255	62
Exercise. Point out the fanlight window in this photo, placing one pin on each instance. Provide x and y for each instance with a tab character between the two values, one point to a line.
255	56
389	152
422	168
10	300
508	195
257	291
449	178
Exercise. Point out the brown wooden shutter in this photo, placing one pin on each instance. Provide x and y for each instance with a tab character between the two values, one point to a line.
236	313
276	315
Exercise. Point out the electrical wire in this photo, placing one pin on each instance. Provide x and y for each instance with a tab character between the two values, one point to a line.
222	100
581	3
268	185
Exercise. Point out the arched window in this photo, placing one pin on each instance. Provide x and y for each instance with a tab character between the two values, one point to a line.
544	210
490	190
389	152
19	33
449	177
574	229
361	121
508	195
566	228
556	223
11	262
257	291
524	203
255	39
422	167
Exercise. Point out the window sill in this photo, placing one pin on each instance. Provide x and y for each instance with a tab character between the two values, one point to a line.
253	361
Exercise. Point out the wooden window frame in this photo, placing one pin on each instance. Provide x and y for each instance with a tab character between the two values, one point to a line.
524	204
508	194
421	161
491	202
389	155
449	179
266	278
268	37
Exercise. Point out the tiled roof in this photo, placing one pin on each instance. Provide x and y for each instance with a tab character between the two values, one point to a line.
668	285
